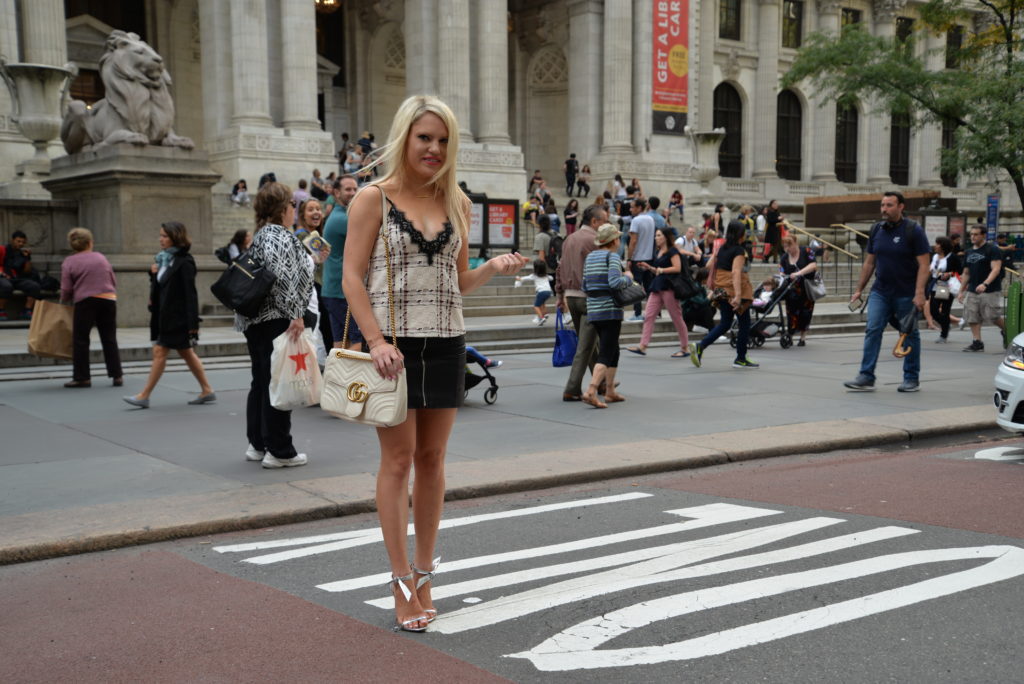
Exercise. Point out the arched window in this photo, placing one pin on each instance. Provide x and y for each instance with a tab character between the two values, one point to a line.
788	133
728	114
899	149
846	143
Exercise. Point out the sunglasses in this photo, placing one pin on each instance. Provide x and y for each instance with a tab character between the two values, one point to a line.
294	204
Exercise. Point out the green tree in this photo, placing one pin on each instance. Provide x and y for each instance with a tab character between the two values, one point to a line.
981	90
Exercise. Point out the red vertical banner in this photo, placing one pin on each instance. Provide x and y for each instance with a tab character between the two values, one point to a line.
671	62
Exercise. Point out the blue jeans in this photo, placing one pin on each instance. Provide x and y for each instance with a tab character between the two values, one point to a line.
882	308
742	336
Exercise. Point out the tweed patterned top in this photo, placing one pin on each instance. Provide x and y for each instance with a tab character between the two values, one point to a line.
276	248
428	302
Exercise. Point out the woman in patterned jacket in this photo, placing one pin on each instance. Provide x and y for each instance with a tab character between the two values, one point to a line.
274	246
426	225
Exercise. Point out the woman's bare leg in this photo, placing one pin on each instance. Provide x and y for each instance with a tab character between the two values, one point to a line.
433	428
156	370
195	365
397	447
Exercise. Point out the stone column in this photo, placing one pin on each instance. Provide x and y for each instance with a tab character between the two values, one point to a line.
215	43
298	64
492	71
420	30
453	62
618	58
766	90
704	113
9	41
643	18
250	63
43	33
928	139
876	129
823	138
585	79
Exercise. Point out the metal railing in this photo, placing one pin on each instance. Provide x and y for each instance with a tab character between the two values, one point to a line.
839	276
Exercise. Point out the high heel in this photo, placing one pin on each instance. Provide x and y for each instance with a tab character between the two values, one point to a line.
405	625
424	578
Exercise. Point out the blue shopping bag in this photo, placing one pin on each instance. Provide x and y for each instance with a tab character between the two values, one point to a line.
565	343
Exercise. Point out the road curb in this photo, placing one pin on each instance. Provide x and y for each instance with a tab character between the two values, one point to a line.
55	533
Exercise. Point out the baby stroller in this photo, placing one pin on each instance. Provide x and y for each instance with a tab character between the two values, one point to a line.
768	319
472	380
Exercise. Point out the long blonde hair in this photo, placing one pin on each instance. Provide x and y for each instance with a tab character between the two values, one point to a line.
392	155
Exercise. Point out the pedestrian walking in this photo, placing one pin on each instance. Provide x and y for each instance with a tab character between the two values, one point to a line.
602	273
174	313
897	255
667	262
944	267
981	290
87	280
737	294
571	298
571	168
798	265
426	227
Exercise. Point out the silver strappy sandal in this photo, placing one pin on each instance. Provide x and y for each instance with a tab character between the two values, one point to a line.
426	576
404	626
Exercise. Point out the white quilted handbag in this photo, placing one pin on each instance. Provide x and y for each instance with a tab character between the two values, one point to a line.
353	389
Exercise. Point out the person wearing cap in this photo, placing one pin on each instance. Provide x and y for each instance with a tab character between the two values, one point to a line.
602	273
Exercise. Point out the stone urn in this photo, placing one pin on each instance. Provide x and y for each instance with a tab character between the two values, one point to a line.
37	94
705	154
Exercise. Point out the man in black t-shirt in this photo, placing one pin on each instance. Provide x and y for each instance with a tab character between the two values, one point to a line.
571	167
981	290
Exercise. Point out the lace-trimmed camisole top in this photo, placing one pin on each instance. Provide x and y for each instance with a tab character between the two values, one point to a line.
428	302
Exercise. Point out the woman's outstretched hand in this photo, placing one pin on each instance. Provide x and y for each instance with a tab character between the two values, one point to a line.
508	264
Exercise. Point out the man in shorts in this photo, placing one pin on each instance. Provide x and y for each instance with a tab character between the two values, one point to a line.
981	290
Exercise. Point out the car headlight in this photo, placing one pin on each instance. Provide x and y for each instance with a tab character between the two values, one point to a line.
1015	356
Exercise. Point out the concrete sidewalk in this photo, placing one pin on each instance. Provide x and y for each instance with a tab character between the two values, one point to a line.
80	470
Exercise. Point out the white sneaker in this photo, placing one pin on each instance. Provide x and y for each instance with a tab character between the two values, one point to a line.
251	454
535	320
270	462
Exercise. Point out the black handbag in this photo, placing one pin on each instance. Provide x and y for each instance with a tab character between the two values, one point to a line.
244	285
631	294
683	286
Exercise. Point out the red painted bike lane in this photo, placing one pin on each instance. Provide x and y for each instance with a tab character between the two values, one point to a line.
153	616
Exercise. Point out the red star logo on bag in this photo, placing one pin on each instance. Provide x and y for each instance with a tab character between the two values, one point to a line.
300	361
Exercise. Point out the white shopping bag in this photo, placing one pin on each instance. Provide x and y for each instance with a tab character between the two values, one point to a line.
295	379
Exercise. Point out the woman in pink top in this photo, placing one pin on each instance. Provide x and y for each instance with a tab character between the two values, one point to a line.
87	280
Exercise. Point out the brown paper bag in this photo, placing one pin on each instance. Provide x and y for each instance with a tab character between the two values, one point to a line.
49	334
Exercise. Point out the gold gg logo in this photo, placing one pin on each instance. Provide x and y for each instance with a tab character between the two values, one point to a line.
357	392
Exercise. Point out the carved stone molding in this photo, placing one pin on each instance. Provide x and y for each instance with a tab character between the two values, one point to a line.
829	6
731	67
886	10
553	24
488	158
267	144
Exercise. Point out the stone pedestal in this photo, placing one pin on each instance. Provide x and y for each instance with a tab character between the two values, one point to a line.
124	193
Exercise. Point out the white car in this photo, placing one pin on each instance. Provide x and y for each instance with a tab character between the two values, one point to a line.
1009	395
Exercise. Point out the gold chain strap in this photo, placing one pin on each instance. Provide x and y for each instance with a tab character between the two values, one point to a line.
387	266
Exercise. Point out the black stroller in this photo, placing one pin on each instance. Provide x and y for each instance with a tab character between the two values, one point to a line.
768	320
472	380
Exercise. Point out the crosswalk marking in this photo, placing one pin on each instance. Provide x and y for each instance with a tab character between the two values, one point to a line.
701	516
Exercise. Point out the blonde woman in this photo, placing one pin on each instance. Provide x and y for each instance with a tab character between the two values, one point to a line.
427	219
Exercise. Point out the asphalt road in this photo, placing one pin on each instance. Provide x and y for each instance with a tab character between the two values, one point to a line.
860	566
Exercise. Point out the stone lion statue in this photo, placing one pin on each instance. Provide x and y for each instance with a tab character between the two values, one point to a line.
137	109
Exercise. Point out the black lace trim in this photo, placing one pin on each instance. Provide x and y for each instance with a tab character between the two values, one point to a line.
428	247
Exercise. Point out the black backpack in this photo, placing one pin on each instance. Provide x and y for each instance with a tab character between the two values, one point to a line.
554	254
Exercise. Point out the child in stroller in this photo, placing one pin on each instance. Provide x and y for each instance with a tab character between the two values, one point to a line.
472	380
765	324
